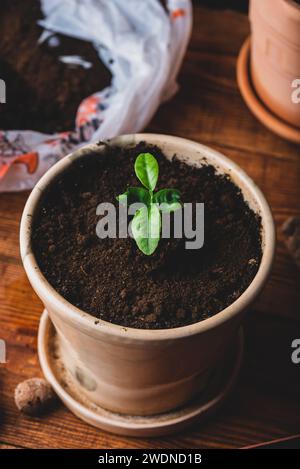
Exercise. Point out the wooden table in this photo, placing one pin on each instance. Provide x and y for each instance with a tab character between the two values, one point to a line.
266	401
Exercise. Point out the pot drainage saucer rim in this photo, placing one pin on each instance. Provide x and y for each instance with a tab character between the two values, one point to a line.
219	387
256	106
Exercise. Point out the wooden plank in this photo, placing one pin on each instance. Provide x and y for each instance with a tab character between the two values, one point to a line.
257	411
5	446
265	404
11	206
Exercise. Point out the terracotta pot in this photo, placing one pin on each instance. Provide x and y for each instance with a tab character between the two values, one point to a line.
275	55
144	372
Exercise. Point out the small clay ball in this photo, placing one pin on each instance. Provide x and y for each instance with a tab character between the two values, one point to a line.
34	396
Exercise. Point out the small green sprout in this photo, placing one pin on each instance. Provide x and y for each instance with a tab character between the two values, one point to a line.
146	223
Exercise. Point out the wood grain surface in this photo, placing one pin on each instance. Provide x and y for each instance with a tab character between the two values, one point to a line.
266	401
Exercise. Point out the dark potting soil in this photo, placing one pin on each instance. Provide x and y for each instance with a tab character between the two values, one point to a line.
42	93
111	279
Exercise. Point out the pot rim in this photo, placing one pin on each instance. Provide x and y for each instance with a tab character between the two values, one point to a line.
79	318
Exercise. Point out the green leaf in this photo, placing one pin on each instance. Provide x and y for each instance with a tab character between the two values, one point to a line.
167	208
168	200
167	196
134	195
146	226
146	223
146	170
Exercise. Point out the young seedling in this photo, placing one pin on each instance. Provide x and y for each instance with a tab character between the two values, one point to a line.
146	223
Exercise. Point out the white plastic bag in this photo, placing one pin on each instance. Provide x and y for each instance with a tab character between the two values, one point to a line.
141	44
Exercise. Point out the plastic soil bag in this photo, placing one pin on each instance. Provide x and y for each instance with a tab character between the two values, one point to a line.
141	44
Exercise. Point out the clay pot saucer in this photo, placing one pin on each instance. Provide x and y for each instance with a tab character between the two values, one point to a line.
256	106
219	384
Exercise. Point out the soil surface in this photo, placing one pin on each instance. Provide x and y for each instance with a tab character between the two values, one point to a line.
42	93
111	279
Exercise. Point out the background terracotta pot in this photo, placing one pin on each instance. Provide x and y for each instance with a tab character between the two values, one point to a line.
275	55
145	371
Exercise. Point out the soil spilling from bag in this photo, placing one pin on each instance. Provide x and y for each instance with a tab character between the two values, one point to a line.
42	93
111	279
